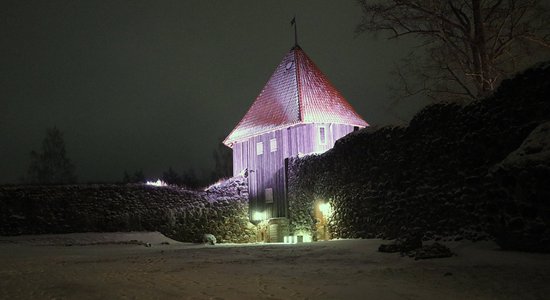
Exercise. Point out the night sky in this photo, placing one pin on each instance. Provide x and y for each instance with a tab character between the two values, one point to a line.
152	84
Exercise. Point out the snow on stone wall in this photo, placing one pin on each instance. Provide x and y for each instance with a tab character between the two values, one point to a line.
181	214
524	207
432	177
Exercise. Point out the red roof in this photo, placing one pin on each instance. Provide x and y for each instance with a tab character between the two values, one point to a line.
297	92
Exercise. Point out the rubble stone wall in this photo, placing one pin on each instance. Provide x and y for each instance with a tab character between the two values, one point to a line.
439	176
182	214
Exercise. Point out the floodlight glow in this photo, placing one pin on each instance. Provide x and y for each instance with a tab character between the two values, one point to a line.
325	209
156	183
258	216
302	237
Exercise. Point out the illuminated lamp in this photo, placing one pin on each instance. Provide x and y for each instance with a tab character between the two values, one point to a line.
258	217
325	209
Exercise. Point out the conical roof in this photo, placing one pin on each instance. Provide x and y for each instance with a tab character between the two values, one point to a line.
297	92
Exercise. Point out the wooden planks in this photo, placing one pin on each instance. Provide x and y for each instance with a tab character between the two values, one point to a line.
267	170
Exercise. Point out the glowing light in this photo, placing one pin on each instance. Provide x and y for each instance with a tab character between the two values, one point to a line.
302	237
156	183
325	209
294	239
258	216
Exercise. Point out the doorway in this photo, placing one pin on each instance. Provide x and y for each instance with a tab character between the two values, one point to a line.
322	213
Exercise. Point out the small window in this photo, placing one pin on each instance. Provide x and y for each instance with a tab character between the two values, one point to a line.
269	195
273	145
322	135
259	148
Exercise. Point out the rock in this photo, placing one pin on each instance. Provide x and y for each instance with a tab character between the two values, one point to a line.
209	239
402	245
435	250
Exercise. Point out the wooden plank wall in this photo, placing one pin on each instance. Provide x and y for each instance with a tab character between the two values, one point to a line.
304	139
268	169
240	157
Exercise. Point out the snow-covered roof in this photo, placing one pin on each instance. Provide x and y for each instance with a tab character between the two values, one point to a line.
297	92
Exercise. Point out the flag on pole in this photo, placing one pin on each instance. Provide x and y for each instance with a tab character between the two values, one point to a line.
293	21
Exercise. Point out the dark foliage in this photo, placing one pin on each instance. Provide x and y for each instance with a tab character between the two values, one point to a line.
223	162
137	177
190	179
171	177
434	175
51	165
523	206
181	214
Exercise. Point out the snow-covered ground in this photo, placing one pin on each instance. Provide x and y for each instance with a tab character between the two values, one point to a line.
115	266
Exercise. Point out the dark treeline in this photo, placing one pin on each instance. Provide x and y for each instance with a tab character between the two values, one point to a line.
51	165
189	177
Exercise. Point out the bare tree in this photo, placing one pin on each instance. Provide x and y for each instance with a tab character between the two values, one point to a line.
466	46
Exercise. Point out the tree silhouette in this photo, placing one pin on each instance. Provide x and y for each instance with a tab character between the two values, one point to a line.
467	46
171	177
137	177
189	179
223	162
51	165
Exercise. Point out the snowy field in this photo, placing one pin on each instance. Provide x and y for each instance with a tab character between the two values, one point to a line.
115	266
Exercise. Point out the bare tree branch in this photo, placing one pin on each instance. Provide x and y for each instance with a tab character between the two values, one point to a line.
469	45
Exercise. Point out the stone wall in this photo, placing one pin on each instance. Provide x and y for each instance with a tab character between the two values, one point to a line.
181	214
524	200
435	177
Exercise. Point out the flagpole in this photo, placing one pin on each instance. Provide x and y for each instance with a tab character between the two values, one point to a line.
293	23
295	32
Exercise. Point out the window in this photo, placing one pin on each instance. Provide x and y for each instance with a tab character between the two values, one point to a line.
322	135
269	195
273	145
259	148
